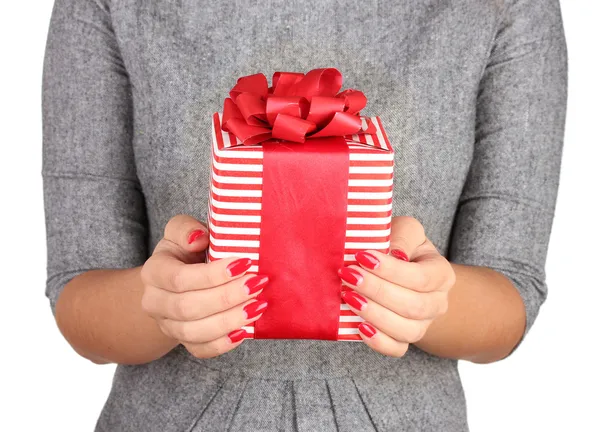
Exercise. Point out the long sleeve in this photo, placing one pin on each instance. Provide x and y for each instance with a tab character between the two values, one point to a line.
507	206
95	214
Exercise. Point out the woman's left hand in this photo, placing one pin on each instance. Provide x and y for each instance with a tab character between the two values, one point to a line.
400	294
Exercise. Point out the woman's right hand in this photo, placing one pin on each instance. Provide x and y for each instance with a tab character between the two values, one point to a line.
202	306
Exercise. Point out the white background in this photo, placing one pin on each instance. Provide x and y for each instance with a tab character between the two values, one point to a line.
551	383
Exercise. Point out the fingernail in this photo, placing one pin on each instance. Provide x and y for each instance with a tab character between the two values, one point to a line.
237	335
239	266
351	276
255	284
195	235
367	329
354	299
254	309
367	260
397	253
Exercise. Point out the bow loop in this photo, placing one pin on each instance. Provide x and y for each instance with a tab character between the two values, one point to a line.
254	84
284	82
297	107
294	106
354	100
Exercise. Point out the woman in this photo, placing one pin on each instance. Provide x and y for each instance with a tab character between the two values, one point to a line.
472	95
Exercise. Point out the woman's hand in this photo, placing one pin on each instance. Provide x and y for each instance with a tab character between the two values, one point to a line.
400	294
202	306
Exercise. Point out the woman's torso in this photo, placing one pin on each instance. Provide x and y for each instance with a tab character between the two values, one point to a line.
419	63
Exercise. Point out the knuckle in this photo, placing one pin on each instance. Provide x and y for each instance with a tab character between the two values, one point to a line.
177	279
415	333
184	332
225	321
443	303
402	349
146	272
421	331
210	277
168	329
443	307
147	303
379	290
181	308
378	316
226	302
423	280
165	328
419	307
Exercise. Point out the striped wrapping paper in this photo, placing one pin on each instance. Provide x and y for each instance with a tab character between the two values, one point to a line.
235	203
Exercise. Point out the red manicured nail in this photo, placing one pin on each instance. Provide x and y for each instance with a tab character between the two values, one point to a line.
239	266
367	260
255	284
237	335
254	309
351	276
367	329
354	299
397	253
195	235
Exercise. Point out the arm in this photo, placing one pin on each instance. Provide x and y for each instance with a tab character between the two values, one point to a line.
485	318
505	213
96	221
479	307
100	314
95	215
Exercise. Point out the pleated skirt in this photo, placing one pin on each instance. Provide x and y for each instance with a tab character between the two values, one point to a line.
269	385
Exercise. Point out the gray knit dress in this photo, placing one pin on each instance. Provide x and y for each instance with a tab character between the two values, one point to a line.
472	94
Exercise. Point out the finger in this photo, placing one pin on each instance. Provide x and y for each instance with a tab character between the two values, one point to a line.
187	233
407	235
198	304
402	301
164	270
214	326
218	346
397	327
407	274
380	342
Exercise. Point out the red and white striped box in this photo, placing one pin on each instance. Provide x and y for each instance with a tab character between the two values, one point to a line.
235	203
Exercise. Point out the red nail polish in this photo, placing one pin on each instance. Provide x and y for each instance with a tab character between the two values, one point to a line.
237	335
239	266
367	260
397	253
354	299
367	329
195	235
254	309
351	276
255	284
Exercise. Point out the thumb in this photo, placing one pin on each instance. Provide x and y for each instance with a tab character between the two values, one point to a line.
407	235
187	233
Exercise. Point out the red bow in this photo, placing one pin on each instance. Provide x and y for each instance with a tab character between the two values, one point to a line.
297	107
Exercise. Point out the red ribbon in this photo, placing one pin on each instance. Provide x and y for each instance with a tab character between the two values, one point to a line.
297	107
304	208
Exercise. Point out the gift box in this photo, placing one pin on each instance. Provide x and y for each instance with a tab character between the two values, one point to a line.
300	182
